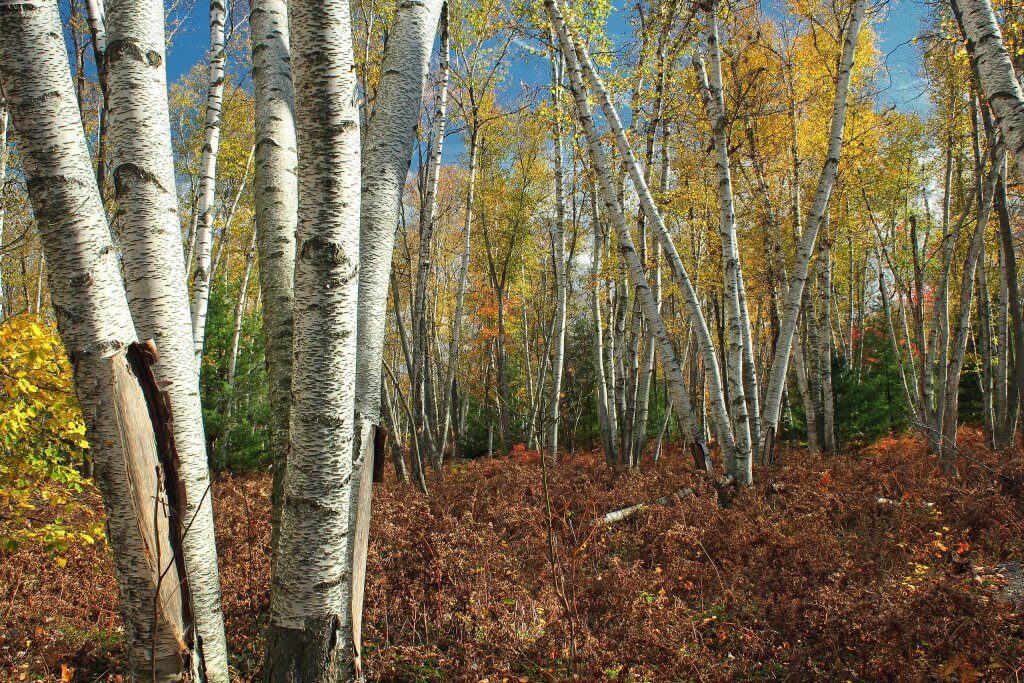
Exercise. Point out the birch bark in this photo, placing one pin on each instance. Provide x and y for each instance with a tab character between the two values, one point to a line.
146	221
733	456
998	81
798	278
274	179
95	325
208	179
673	369
309	636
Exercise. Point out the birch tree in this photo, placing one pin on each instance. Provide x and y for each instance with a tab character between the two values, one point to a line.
798	276
97	330
998	81
635	267
274	181
309	634
146	220
208	179
388	154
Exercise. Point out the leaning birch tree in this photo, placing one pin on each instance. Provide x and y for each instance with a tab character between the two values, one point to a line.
96	328
792	304
146	221
390	138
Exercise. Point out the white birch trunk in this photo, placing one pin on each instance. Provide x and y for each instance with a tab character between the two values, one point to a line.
613	210
236	338
388	153
798	278
96	327
208	179
460	295
999	83
309	634
558	240
722	423
274	179
142	168
4	119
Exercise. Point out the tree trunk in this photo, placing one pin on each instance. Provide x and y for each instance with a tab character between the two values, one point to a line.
236	337
96	328
798	277
636	272
142	168
208	178
558	256
309	634
733	456
998	82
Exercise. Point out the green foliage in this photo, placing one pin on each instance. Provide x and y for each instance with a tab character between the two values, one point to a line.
248	429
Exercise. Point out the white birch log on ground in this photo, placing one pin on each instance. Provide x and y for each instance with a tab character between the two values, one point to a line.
146	220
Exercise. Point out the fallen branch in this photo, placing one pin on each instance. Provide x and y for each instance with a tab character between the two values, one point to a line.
626	513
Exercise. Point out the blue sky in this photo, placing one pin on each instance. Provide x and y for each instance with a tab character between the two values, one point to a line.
901	22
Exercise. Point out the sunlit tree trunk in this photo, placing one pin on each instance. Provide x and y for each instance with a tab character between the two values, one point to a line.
798	277
428	214
638	279
460	295
309	633
208	179
558	256
999	84
736	463
276	206
142	169
96	328
737	320
824	350
958	347
603	405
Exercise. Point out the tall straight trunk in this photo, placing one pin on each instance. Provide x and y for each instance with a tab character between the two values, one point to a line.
825	340
428	215
142	168
96	328
983	345
558	241
275	195
460	296
958	348
737	319
603	405
1008	260
208	178
798	278
236	338
309	635
994	68
652	315
736	462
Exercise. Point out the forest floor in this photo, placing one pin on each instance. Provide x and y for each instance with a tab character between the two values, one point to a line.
866	566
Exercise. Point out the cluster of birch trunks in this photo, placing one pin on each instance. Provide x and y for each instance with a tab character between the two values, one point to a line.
329	176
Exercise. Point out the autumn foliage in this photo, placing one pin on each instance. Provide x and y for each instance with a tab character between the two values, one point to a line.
869	565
